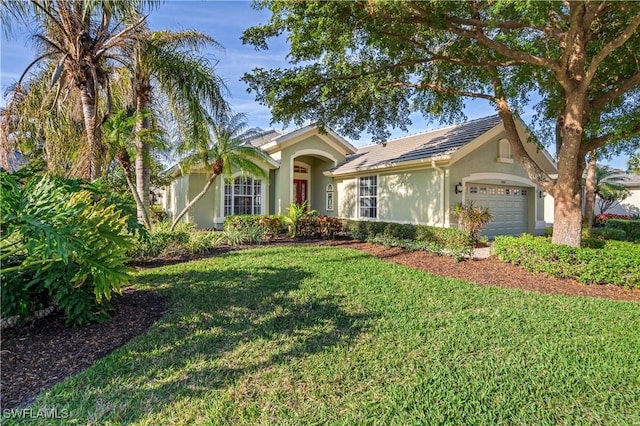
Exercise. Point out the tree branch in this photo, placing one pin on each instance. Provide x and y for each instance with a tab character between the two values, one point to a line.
610	47
441	89
628	84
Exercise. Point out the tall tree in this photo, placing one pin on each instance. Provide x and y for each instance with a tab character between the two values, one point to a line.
229	150
367	65
633	166
80	37
170	66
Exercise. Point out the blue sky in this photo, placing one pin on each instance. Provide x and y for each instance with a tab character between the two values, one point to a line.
225	21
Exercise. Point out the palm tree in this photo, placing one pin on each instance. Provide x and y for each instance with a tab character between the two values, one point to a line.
168	64
118	133
230	150
81	38
606	184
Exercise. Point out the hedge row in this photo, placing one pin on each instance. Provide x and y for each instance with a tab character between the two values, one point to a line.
616	263
631	228
313	226
450	241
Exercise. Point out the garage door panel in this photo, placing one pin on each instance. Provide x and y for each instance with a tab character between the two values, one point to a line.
507	205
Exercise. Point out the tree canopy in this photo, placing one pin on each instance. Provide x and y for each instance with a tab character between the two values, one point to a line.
368	65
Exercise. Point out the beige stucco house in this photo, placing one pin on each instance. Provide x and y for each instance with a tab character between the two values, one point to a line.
414	179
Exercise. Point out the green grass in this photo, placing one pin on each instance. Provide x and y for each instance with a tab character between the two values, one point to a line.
315	335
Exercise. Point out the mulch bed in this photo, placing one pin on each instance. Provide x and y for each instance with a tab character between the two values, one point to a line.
37	356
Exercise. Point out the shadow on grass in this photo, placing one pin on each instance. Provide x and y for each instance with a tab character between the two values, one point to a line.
222	325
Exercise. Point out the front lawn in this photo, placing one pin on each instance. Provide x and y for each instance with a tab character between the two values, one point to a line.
299	335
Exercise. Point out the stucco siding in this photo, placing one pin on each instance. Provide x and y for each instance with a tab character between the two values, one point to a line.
179	196
410	197
202	212
346	198
484	162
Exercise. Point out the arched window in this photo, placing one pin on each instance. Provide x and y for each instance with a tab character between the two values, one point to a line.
243	196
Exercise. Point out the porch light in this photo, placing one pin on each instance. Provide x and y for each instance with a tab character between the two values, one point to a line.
541	194
458	188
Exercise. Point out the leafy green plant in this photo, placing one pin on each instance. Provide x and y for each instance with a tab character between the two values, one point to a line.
608	234
295	214
471	219
630	227
616	262
61	242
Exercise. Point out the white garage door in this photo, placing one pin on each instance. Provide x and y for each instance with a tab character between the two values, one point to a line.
507	205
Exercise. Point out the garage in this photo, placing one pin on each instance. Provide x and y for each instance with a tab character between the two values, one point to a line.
507	204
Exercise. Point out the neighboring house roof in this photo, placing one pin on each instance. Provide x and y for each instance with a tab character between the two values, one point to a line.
626	179
431	144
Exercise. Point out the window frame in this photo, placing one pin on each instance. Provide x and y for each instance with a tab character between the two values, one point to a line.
256	194
373	198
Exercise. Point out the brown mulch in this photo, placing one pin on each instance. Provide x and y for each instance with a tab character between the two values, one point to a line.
37	356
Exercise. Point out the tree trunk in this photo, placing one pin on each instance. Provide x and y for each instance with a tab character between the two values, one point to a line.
195	200
590	192
143	173
145	217
88	99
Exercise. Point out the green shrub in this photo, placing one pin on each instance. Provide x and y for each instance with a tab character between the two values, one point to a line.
400	231
62	241
356	228
240	221
471	219
616	263
272	225
608	234
630	227
590	242
448	241
237	237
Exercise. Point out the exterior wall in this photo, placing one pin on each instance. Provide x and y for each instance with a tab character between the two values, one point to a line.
410	197
178	197
202	212
324	158
346	198
484	160
630	205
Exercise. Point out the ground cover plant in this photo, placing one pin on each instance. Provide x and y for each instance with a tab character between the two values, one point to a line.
317	334
604	262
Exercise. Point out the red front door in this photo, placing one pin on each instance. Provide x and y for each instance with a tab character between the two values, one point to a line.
300	189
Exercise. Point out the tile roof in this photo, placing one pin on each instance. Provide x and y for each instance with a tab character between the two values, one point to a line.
430	144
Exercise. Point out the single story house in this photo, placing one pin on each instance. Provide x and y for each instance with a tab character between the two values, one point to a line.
628	206
413	179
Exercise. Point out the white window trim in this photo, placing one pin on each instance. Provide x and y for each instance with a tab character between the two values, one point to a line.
330	194
263	195
359	213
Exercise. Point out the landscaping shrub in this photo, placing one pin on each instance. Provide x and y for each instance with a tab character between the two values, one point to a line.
616	263
608	234
62	242
601	219
272	225
400	231
631	228
448	241
328	227
471	219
